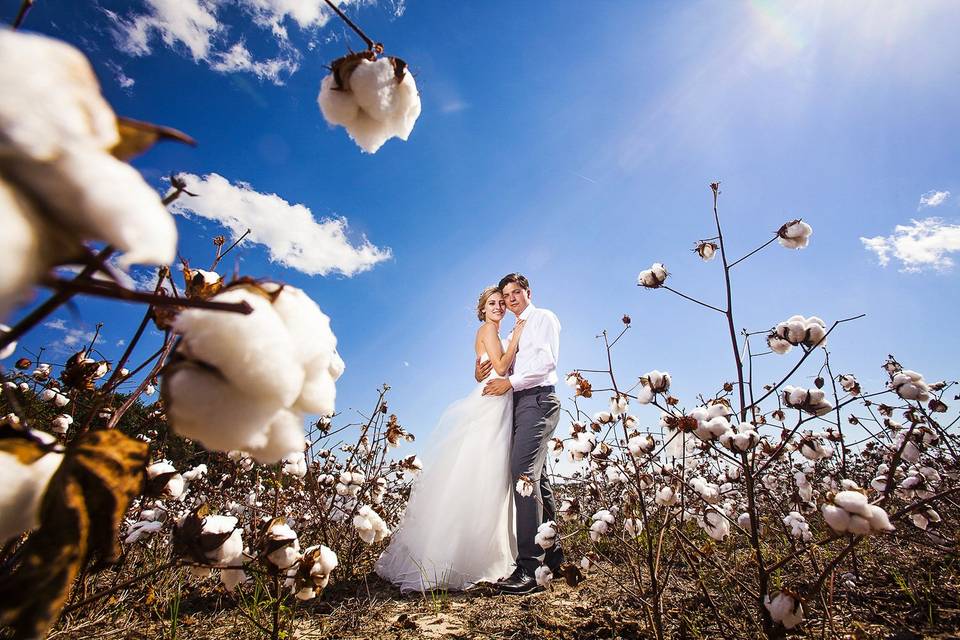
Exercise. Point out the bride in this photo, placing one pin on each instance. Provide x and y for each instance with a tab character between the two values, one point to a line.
458	527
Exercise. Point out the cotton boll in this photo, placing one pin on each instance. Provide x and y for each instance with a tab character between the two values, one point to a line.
544	576
745	522
836	518
524	486
21	246
370	526
230	551
61	400
254	352
910	385
195	473
641	444
778	344
619	405
204	407
175	485
295	465
338	107
546	535
666	496
644	395
633	526
372	105
603	417
8	350
22	485
140	529
795	234
57	132
61	424
653	277
47	395
282	545
715	524
784	609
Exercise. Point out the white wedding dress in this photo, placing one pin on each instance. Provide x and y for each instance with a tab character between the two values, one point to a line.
458	527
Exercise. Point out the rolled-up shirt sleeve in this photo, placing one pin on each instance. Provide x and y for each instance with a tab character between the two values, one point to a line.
535	368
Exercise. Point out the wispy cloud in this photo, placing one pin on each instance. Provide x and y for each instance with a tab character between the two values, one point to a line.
125	81
291	234
196	28
238	58
921	245
72	338
933	198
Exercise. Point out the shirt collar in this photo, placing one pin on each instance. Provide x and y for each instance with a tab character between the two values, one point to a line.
526	312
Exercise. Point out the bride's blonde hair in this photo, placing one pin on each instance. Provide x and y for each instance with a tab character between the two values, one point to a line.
484	296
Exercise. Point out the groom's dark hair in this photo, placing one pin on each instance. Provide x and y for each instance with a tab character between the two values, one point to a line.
518	278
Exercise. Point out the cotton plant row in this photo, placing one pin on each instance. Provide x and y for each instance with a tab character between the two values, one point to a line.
775	468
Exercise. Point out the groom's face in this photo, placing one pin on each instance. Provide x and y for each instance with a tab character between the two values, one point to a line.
517	297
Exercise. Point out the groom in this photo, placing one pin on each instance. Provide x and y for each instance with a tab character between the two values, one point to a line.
536	411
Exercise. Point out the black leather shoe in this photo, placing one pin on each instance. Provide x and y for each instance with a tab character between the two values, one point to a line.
520	583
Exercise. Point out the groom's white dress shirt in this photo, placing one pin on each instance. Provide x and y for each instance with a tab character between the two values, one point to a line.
538	351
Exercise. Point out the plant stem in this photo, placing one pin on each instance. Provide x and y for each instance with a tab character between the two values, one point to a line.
369	42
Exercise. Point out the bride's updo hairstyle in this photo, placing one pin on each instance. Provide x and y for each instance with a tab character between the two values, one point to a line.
484	296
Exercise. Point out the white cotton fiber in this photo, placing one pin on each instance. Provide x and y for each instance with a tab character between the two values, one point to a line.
253	351
373	107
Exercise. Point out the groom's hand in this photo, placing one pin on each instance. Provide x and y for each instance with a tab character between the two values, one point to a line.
482	370
497	387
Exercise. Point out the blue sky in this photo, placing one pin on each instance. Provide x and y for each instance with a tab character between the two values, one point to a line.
576	146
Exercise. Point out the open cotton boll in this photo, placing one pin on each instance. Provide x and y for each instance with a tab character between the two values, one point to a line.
369	525
23	482
524	486
633	526
373	106
142	528
910	385
295	465
204	407
784	609
795	234
283	546
230	552
546	535
715	524
254	352
544	576
175	485
317	564
61	424
20	245
56	132
194	473
653	277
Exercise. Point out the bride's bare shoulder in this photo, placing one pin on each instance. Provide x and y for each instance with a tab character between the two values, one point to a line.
487	329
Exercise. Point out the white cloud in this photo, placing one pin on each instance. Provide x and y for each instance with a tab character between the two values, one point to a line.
120	76
238	58
192	23
291	234
933	198
71	340
923	244
195	26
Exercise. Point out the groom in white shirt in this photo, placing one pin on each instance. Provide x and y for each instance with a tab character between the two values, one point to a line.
536	412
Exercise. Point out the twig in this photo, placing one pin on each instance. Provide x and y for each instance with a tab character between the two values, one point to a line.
22	13
373	46
106	290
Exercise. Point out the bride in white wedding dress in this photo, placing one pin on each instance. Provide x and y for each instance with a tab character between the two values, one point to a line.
458	527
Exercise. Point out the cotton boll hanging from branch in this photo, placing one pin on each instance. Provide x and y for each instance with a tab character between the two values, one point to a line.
373	98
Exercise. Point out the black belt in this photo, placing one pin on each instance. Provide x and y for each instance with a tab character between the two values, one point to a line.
547	388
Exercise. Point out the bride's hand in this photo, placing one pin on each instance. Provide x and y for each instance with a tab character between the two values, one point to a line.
518	329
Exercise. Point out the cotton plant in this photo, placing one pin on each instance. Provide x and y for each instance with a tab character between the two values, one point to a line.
281	546
61	182
245	381
374	99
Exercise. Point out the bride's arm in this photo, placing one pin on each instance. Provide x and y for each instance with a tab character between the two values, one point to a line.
500	360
